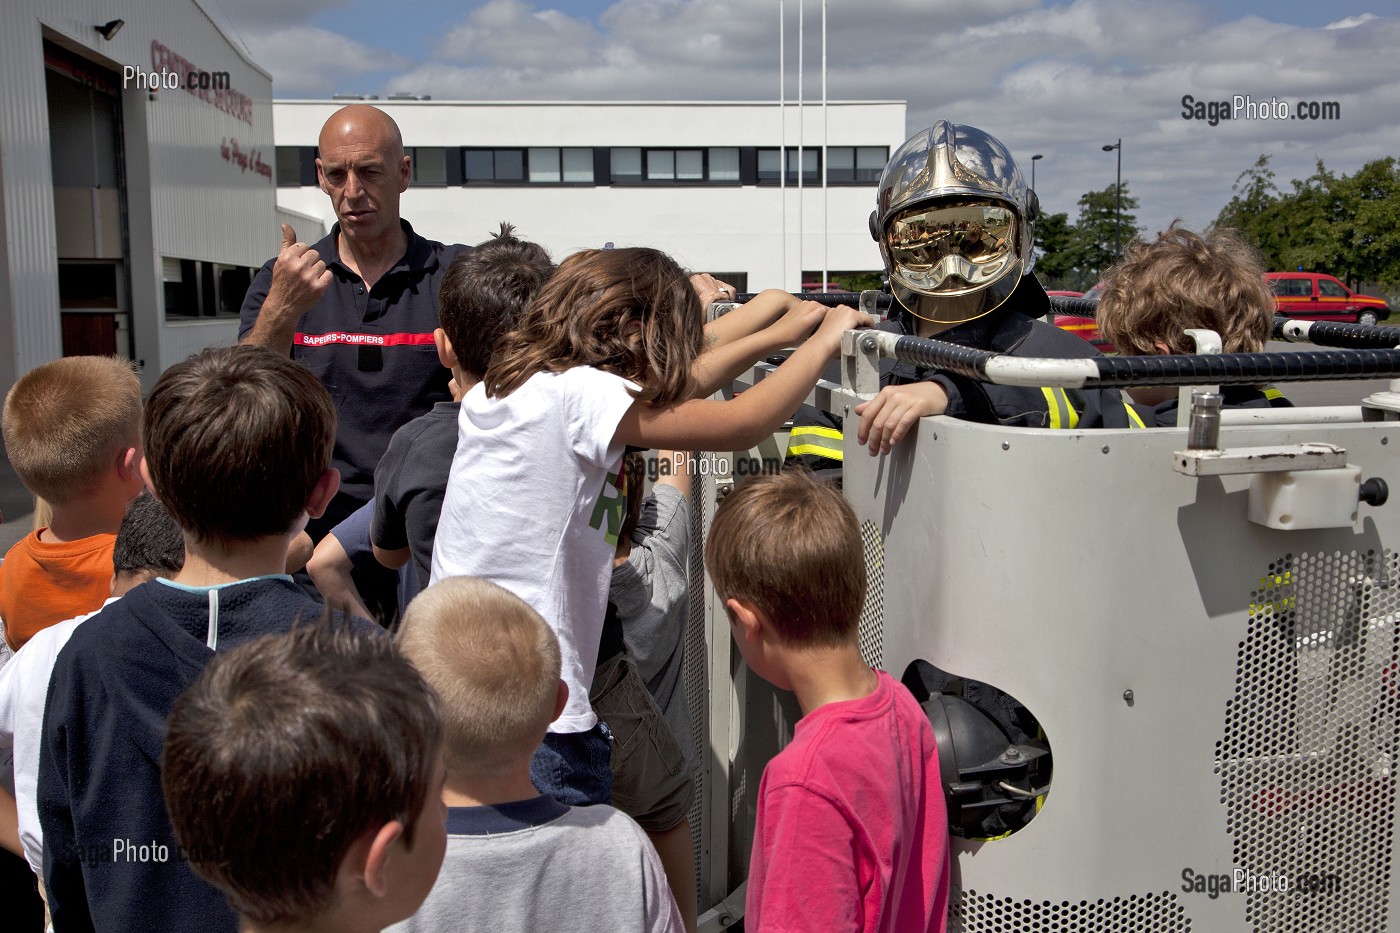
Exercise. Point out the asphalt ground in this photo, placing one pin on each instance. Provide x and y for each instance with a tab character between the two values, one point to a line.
17	505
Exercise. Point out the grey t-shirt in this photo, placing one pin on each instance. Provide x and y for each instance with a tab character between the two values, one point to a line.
652	599
539	865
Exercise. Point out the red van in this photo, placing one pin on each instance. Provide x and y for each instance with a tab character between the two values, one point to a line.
1317	297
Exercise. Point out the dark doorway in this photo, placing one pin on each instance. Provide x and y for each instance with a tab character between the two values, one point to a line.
85	138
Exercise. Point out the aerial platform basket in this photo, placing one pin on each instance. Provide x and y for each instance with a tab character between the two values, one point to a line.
1209	640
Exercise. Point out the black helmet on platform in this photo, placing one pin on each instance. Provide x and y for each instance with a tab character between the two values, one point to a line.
955	223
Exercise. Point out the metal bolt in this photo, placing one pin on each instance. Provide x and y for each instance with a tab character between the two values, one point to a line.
1005	445
1012	754
1128	697
867	343
1105	448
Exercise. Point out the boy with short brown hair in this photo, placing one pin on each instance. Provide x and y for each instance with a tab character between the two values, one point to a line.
72	431
851	831
517	859
1186	280
238	448
303	773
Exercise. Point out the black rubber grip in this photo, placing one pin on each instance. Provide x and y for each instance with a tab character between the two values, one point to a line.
1246	368
1336	334
830	299
938	354
1079	307
1184	369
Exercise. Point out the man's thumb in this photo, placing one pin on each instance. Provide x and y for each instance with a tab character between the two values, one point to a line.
289	236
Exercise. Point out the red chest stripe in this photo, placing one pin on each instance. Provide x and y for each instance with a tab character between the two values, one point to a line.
363	340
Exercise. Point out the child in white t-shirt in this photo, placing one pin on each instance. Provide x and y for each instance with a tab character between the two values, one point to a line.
609	355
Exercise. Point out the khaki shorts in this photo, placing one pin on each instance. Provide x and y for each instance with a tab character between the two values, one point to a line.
651	780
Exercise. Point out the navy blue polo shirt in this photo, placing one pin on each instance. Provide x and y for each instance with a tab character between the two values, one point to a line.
373	349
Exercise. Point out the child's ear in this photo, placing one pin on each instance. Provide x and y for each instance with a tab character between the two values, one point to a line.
129	463
322	493
376	857
145	469
1160	348
446	355
749	622
561	699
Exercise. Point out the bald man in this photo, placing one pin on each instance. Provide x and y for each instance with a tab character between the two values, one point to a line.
358	308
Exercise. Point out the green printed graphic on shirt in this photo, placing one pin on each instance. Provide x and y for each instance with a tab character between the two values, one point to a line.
610	507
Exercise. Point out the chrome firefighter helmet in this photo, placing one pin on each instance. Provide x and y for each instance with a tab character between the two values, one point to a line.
954	220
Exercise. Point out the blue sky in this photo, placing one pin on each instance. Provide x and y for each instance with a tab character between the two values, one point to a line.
1058	77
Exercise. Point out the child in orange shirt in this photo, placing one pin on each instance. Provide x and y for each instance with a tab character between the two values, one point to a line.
72	428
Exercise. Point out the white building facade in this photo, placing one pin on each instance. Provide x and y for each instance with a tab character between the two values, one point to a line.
137	181
700	180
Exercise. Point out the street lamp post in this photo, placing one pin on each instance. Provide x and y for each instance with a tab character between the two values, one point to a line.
1034	159
1117	201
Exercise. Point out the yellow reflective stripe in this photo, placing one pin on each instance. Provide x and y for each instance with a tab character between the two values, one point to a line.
1052	406
1134	417
815	431
1073	415
1058	407
816	441
830	453
1271	393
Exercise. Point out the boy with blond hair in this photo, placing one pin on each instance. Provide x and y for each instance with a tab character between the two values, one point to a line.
851	831
72	431
1185	280
303	774
517	859
238	449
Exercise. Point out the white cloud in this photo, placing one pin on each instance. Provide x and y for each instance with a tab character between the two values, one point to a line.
1060	80
1351	21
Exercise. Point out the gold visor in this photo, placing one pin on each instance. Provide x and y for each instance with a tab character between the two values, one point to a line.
952	248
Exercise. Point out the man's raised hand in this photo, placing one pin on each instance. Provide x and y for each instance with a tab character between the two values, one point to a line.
299	278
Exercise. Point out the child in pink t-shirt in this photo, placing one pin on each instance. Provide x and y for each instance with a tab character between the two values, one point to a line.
852	830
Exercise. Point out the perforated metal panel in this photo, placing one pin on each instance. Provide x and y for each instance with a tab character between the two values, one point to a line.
694	665
1150	913
872	614
1307	761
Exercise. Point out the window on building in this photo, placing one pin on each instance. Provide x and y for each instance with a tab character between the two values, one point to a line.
635	165
661	165
296	166
493	166
855	164
429	165
769	160
626	165
578	166
550	165
195	289
724	164
288	166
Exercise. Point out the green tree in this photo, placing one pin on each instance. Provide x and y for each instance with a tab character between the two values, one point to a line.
1054	263
1348	226
1104	228
1371	198
1254	212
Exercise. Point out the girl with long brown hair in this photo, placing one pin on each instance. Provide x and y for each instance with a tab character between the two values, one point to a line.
608	355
